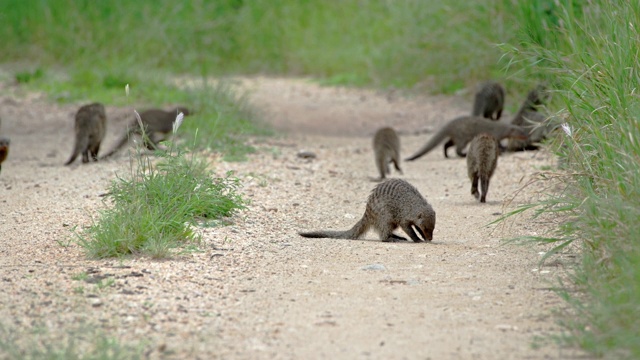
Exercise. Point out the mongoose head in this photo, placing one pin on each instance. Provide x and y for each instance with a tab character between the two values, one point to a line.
183	110
536	97
425	224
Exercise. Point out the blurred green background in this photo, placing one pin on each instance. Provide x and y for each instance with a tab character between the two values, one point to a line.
434	46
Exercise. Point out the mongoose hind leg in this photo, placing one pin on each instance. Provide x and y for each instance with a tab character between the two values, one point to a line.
447	145
460	150
395	164
385	226
394	238
94	152
474	186
85	156
484	184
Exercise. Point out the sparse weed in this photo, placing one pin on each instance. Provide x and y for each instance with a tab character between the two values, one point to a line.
79	342
80	276
105	283
155	208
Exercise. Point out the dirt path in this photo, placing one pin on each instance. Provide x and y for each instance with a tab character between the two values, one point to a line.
258	290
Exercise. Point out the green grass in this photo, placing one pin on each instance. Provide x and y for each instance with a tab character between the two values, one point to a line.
81	342
426	44
592	57
155	208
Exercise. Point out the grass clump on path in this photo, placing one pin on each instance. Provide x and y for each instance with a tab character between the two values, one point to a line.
154	211
592	57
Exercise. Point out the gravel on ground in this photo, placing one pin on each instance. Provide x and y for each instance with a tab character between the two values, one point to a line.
256	289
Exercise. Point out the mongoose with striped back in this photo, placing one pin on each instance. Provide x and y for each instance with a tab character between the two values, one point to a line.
393	203
157	124
460	131
489	101
90	128
482	159
535	123
386	149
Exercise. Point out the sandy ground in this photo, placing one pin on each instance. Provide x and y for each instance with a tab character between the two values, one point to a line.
257	289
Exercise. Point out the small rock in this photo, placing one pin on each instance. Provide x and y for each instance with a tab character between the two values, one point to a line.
505	327
304	154
377	267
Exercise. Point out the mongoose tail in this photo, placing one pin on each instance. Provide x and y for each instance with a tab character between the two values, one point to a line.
82	142
354	233
123	141
435	140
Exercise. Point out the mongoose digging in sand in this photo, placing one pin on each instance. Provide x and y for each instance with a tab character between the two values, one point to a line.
158	126
460	131
386	149
90	128
4	149
489	101
482	159
393	203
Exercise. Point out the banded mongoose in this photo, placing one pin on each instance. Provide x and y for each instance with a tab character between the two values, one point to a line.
158	126
90	128
393	203
482	159
535	123
386	149
4	149
460	131
489	101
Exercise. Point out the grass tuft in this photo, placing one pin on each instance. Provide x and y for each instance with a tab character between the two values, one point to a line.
155	209
80	342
